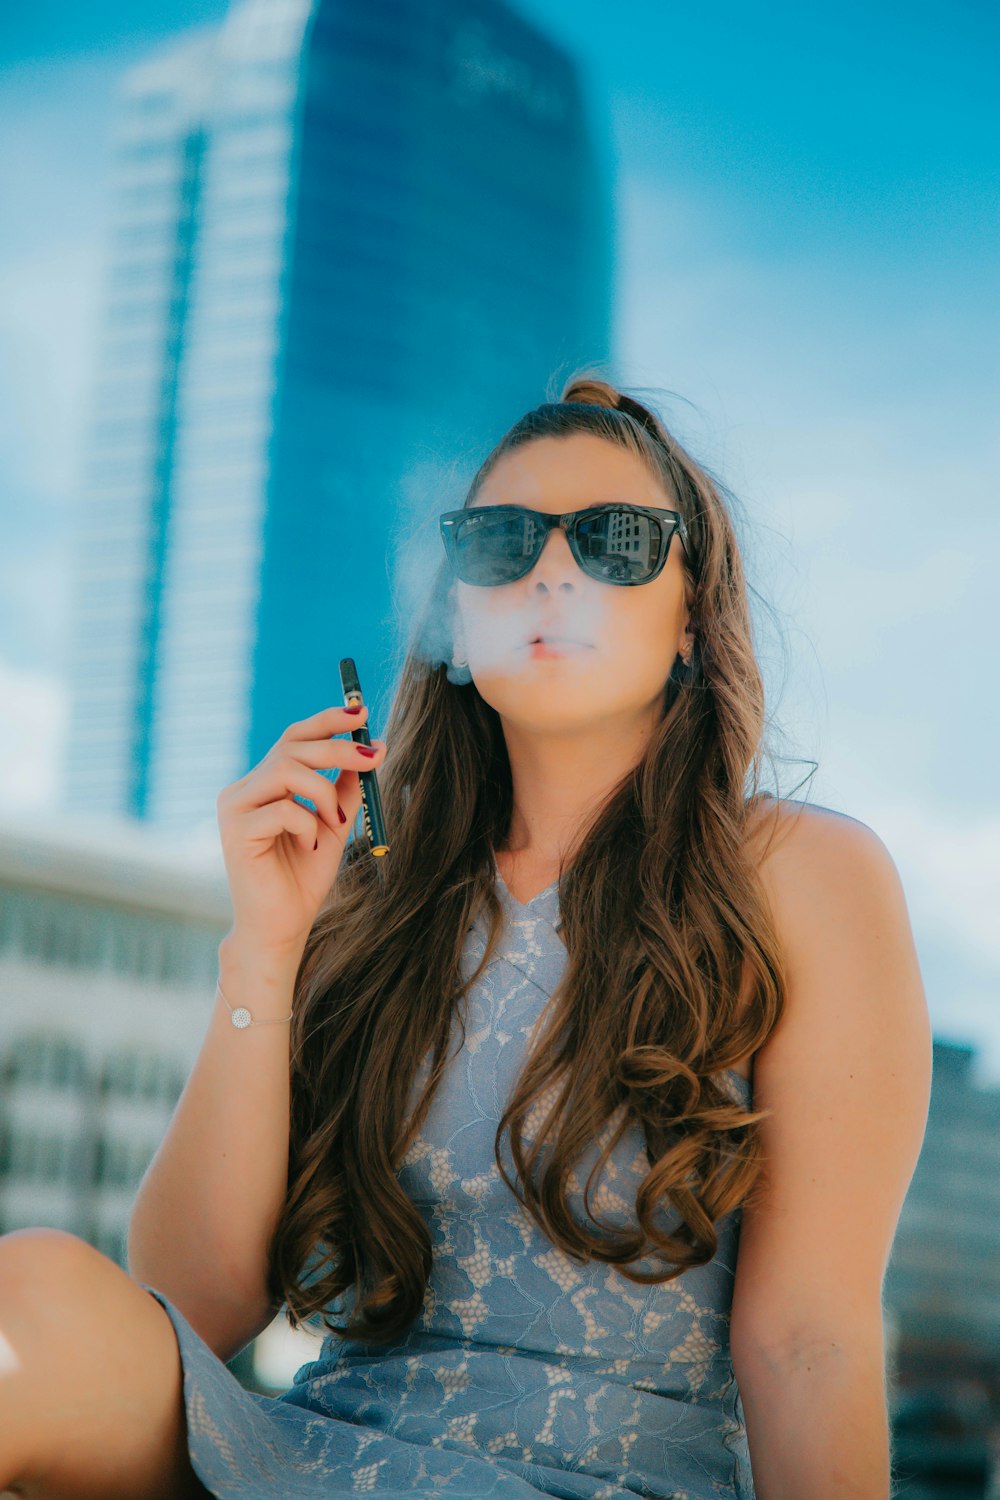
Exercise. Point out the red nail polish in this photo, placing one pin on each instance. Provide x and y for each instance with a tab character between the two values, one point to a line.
368	750
354	709
341	813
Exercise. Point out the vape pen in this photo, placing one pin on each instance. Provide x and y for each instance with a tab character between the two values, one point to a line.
371	803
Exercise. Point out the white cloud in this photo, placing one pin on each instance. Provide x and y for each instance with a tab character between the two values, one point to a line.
950	867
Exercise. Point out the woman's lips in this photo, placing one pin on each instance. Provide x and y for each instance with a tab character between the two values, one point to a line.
554	648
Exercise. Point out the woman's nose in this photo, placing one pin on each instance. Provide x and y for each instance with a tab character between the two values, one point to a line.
555	563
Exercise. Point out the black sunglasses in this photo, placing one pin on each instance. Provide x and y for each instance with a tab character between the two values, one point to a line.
622	544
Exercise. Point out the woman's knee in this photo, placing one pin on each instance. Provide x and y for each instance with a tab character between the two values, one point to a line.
45	1273
34	1252
98	1384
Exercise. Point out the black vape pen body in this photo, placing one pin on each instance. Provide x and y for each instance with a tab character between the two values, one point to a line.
371	802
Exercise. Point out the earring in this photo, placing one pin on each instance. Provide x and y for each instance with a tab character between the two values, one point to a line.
682	671
458	672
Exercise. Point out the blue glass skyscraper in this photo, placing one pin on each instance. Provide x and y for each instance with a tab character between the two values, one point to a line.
351	244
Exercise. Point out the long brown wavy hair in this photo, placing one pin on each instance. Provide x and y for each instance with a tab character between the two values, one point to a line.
673	969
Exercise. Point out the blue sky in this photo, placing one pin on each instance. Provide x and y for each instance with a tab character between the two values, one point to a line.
807	286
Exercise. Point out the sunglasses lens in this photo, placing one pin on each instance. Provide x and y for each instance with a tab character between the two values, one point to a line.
619	546
493	546
497	546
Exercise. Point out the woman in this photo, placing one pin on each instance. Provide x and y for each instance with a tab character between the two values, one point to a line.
554	1248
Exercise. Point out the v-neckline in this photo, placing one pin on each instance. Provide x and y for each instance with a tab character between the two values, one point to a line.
523	905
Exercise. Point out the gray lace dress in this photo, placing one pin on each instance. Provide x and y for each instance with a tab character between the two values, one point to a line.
526	1374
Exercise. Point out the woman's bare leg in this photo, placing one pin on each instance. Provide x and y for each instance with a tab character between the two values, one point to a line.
91	1384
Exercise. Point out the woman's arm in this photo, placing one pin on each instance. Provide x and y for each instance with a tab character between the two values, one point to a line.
847	1074
204	1212
817	1421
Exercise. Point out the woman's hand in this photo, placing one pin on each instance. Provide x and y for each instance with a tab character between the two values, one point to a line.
282	859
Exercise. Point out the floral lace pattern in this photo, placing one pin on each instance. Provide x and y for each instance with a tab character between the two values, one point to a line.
526	1373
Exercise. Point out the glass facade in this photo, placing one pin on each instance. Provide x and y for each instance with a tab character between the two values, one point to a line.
943	1279
108	973
350	241
108	963
126	483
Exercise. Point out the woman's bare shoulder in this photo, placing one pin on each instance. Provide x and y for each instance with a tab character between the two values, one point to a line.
791	839
798	848
780	836
814	862
811	858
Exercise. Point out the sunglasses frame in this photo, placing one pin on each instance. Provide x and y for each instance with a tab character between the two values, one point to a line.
671	522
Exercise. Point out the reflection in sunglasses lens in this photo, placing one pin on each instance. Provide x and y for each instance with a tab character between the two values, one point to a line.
614	545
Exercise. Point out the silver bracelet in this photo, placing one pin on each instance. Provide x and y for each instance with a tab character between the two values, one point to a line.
242	1018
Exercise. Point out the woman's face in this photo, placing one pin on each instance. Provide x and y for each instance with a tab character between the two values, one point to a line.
627	638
